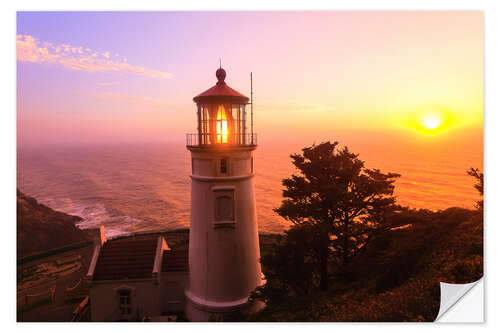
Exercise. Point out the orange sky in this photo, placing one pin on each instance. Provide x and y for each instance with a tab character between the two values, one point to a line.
316	74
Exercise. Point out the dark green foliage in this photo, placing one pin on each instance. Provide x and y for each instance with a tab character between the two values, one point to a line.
397	256
290	266
396	278
479	186
342	203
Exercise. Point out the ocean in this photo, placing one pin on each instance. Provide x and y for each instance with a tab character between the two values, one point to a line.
142	187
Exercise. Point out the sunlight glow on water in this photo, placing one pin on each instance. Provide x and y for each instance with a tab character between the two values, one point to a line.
137	188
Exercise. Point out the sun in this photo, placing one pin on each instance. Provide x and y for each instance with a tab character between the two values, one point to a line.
431	121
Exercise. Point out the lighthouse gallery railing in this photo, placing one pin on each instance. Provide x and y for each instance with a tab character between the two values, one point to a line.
208	139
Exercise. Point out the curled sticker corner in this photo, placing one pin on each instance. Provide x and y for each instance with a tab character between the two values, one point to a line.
451	293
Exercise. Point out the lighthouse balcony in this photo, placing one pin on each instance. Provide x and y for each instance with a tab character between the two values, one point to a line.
197	140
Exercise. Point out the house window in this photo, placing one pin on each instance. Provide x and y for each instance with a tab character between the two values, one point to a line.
224	206
223	166
251	165
125	302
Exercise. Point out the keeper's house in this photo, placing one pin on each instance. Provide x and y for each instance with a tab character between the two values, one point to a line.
135	277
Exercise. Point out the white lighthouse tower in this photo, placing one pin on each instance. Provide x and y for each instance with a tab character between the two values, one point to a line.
223	241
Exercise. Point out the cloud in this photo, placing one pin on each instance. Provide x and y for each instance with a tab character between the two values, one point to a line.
31	49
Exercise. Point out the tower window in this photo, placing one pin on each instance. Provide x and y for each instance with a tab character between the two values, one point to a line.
223	166
224	206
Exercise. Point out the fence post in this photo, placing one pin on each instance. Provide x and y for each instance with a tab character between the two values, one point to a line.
53	294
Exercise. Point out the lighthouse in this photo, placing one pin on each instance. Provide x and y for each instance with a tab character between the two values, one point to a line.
223	240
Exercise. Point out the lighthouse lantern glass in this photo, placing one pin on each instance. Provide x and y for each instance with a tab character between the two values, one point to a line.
222	128
222	117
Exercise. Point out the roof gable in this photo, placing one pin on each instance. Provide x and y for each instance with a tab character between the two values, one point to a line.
131	257
176	260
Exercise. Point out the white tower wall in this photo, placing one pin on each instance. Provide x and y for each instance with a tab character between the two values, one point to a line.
223	252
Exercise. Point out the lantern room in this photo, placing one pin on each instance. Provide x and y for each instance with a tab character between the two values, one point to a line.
222	117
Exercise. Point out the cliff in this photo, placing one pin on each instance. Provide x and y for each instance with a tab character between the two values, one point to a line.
40	228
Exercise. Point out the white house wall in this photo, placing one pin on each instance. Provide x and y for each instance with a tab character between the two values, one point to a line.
105	302
172	288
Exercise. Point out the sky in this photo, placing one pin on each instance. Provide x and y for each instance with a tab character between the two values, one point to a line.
131	77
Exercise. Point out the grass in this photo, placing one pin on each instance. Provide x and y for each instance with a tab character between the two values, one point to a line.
48	271
52	252
34	305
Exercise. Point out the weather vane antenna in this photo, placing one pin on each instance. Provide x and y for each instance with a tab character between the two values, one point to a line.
251	104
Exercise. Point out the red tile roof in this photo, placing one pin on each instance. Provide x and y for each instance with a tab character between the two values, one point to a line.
131	257
175	261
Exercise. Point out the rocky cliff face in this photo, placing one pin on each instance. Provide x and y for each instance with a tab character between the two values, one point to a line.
40	228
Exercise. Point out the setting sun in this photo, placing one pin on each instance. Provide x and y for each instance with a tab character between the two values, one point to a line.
431	121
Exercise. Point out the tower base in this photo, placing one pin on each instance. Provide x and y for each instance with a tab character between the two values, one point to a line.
199	310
